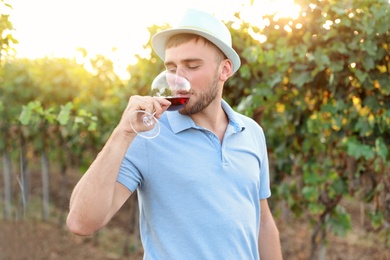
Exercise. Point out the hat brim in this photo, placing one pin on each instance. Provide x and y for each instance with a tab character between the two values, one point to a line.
160	39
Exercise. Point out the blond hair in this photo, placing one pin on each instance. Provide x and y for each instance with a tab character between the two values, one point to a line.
179	39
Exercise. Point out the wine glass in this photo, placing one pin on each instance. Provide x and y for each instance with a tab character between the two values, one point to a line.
170	86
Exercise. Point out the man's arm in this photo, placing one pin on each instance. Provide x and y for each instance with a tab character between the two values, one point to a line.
98	195
269	241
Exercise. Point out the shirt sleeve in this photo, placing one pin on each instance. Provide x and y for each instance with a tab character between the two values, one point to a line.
129	173
265	189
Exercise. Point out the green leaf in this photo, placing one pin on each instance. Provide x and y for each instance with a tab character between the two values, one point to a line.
270	58
368	63
322	59
384	84
376	219
25	116
79	120
361	75
339	47
63	118
275	79
312	178
337	66
306	38
64	115
92	126
48	115
369	46
381	148
245	72
316	208
328	107
310	193
363	127
251	53
340	222
373	103
299	78
358	150
339	186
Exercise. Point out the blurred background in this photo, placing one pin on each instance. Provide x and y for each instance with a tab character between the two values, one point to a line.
315	75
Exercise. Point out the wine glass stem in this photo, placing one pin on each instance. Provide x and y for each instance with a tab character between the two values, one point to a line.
148	120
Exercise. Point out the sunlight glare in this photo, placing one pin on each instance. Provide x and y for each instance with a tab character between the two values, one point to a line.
254	15
280	8
118	29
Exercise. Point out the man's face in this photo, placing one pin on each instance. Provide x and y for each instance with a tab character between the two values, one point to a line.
196	61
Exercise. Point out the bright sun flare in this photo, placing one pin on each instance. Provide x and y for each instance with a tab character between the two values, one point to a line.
58	28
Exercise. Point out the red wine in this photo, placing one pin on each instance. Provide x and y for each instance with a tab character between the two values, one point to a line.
177	102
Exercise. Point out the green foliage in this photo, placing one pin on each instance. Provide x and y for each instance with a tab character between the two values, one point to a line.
320	89
145	70
340	222
57	102
6	39
64	115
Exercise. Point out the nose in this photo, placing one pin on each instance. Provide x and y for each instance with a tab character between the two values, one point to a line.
178	81
181	73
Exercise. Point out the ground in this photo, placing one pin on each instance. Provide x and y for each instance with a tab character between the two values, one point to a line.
33	238
42	240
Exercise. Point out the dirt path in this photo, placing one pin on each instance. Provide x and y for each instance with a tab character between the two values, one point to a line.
19	240
37	240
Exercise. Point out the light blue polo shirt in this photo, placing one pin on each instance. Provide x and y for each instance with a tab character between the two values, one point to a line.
198	198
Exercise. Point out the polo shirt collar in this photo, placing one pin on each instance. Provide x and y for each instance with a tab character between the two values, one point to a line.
180	122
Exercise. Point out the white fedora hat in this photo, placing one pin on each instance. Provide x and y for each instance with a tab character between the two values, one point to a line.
203	24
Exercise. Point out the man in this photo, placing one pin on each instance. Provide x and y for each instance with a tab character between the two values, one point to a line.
203	183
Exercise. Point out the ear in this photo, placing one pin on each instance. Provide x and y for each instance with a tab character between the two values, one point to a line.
226	69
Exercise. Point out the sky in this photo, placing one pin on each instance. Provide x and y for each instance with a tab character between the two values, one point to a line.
56	28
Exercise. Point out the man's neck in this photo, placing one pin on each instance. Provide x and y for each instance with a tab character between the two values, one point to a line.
213	118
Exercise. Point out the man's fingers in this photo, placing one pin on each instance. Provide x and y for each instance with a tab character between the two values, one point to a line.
160	105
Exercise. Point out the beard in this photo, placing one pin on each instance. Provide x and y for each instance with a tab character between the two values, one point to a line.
204	99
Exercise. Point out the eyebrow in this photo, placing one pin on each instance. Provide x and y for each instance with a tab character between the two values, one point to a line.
186	61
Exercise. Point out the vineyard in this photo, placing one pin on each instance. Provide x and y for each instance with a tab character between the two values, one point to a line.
319	86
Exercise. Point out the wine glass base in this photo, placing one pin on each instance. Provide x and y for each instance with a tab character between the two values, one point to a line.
145	124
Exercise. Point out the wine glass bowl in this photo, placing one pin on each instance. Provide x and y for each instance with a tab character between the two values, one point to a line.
172	87
168	85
